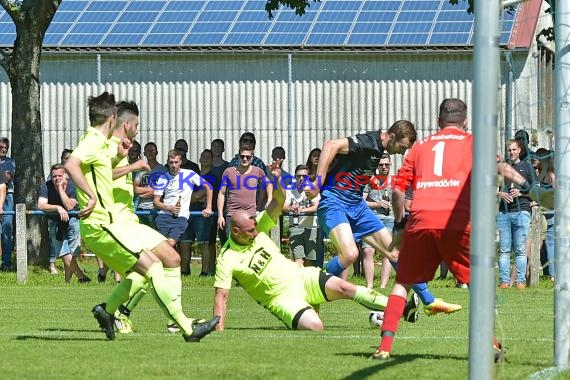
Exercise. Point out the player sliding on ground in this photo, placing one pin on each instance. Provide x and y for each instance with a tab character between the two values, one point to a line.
275	282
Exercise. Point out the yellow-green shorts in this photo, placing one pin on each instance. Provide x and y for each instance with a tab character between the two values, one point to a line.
120	244
304	292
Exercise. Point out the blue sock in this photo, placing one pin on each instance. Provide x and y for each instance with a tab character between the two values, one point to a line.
334	266
423	292
421	289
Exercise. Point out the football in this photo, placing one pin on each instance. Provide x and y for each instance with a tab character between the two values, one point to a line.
375	318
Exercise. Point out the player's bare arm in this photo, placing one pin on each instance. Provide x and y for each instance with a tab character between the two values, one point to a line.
73	169
124	170
221	306
220	205
275	207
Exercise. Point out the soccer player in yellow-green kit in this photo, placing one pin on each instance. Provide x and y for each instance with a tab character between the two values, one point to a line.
124	246
275	282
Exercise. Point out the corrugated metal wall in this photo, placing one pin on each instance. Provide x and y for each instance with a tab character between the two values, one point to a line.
201	97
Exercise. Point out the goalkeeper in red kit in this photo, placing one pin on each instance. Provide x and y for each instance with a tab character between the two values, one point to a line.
438	168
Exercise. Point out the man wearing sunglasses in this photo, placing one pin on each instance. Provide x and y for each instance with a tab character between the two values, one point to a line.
241	183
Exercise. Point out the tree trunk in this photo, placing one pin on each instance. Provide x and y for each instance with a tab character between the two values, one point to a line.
27	131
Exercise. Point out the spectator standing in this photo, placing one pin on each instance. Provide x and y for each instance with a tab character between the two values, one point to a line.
513	220
242	184
202	227
312	163
182	146
172	197
249	138
547	179
219	164
57	197
141	184
524	140
3	191
8	167
278	153
302	228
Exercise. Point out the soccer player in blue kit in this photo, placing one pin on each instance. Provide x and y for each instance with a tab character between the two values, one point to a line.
345	168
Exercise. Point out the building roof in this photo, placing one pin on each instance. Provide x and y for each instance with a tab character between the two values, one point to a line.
244	24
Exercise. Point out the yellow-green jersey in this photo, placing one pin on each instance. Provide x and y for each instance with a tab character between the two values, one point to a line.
260	268
93	152
123	190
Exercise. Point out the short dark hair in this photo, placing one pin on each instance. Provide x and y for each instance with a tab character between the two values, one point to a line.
151	143
278	151
6	141
64	152
301	167
101	108
386	156
452	111
402	129
246	146
522	135
218	141
179	141
247	137
136	145
126	109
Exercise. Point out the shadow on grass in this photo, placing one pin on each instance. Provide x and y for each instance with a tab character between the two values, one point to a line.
57	338
62	338
275	328
55	329
396	360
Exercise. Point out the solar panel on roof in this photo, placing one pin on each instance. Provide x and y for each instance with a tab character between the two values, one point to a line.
66	16
163	39
326	39
98	17
204	38
106	6
169	27
7	39
369	39
145	6
186	17
286	39
235	22
132	39
446	39
91	27
250	27
82	39
70	5
237	39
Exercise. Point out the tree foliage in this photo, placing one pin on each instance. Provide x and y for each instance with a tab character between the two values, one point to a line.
298	5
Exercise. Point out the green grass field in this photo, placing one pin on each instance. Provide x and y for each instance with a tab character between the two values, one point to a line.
48	332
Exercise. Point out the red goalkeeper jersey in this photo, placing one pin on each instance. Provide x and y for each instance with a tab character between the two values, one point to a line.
439	169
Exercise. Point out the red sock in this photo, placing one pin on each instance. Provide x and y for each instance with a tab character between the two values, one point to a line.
392	315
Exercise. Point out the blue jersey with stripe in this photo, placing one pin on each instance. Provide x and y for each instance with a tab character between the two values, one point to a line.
349	173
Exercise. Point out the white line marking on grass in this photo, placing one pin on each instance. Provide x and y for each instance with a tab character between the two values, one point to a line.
545	374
